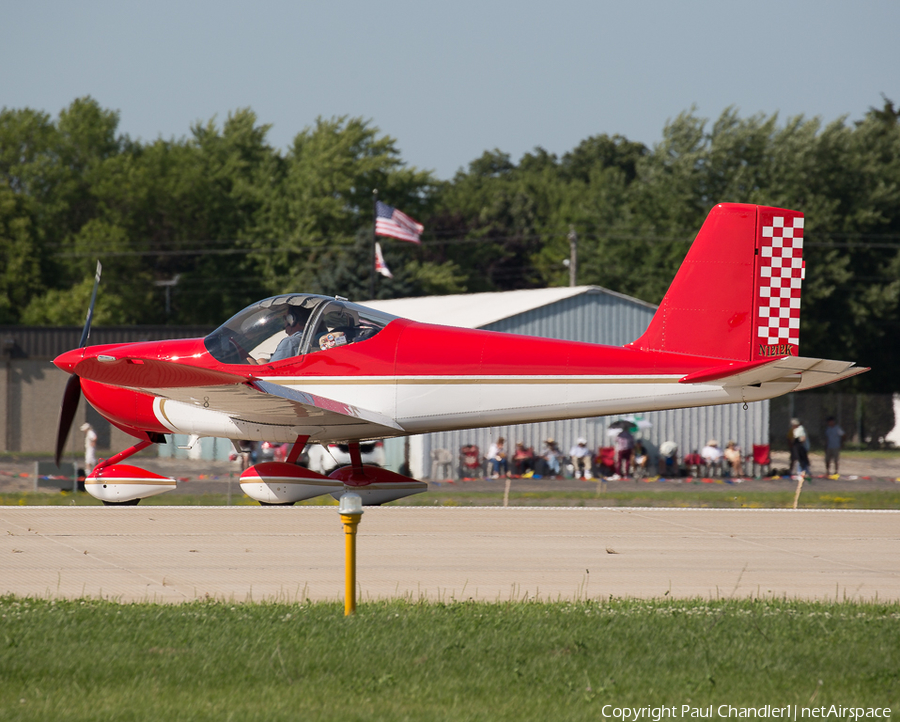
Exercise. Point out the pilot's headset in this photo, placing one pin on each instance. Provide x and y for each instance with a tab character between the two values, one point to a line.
291	318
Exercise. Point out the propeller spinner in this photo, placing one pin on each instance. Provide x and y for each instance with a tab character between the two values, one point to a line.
72	394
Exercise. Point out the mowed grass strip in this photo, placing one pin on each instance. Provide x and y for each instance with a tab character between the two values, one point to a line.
729	498
99	660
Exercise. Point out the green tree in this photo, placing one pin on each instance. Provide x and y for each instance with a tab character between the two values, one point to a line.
323	199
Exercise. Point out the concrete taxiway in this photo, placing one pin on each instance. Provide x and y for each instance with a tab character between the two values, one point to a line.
177	554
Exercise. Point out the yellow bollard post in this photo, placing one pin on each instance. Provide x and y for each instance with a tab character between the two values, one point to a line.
351	511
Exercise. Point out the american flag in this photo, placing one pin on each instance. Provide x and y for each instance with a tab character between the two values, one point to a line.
396	224
380	265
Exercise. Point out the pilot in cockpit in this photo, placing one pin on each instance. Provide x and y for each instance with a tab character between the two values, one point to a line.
294	319
294	323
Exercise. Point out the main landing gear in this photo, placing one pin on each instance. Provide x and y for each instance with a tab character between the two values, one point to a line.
283	482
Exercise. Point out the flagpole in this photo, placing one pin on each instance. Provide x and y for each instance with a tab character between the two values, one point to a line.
372	273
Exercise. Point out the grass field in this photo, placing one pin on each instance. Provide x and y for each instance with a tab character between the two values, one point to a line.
92	660
723	499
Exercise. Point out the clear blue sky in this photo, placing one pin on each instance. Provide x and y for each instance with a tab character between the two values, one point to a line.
451	80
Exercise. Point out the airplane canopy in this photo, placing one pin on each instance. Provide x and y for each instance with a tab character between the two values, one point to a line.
285	326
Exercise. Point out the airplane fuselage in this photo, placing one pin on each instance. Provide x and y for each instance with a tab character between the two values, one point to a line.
425	378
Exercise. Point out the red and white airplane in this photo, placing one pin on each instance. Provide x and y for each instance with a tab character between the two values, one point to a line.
304	368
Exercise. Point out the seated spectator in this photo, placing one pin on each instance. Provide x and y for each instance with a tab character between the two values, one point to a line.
711	454
549	465
668	459
523	459
470	464
581	459
640	460
732	455
497	458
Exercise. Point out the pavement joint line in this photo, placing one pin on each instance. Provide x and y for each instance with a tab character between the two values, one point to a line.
802	555
93	555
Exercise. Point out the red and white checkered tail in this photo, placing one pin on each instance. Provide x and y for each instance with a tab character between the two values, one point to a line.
737	293
779	275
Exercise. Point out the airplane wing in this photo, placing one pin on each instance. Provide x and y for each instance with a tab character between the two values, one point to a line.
809	373
246	398
264	402
144	373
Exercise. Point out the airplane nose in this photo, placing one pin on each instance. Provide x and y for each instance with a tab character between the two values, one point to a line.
67	360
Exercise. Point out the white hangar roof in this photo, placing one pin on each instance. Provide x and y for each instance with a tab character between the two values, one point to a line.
476	310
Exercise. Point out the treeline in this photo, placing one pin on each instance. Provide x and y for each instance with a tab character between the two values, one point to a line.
225	219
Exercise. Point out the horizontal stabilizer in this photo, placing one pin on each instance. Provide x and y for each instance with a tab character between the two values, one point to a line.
730	370
827	372
807	372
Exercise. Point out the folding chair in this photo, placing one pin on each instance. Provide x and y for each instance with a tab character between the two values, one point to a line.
441	464
606	460
762	459
693	463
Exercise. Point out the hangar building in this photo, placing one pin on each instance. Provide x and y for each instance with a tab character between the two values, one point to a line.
581	313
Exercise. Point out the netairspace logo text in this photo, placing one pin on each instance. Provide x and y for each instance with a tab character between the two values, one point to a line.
791	712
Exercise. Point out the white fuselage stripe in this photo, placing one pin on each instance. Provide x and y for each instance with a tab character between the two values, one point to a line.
444	403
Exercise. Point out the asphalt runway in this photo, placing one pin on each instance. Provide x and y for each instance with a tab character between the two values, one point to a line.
178	554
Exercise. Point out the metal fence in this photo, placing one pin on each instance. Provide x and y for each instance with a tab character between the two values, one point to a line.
867	419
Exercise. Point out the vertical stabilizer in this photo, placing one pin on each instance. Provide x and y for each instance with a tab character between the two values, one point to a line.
737	293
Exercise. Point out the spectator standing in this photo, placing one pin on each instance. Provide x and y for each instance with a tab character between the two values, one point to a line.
624	449
799	447
90	448
581	459
834	440
247	451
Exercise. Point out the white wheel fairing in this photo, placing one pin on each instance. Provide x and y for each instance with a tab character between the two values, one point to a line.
374	494
120	483
278	482
285	490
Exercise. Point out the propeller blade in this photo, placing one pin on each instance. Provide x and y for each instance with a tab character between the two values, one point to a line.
72	394
90	314
71	397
